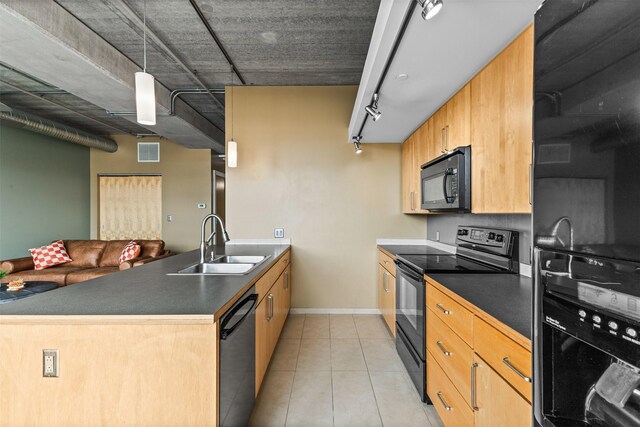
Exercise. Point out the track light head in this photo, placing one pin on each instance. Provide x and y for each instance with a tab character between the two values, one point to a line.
431	8
356	144
372	109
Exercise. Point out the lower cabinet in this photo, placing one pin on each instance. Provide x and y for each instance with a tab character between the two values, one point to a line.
476	375
387	291
498	404
271	314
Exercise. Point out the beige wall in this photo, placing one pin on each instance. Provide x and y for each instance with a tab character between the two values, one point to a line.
186	181
297	171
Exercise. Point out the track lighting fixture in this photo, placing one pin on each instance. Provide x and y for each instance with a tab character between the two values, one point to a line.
430	8
356	144
372	109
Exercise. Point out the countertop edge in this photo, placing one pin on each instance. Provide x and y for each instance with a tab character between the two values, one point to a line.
113	319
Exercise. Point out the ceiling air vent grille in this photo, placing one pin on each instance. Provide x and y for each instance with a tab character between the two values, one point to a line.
554	153
148	152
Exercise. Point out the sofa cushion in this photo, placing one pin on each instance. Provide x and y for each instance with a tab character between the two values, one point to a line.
53	274
88	274
112	252
151	248
49	255
130	251
85	253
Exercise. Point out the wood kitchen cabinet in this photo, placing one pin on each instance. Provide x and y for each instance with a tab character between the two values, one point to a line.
478	369
451	126
498	404
501	130
414	154
271	313
387	290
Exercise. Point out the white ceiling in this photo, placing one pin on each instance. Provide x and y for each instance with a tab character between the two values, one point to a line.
439	56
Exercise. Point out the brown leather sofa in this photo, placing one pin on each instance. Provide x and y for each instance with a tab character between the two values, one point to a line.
91	259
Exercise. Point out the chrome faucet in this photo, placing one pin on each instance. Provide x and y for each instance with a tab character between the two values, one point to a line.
204	242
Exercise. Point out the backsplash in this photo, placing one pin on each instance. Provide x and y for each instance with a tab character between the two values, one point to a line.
447	225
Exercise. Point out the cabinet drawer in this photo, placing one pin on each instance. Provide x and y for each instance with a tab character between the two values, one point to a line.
269	278
505	356
387	262
451	407
455	316
452	353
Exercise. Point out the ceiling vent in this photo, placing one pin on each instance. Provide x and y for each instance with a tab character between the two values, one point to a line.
148	152
554	153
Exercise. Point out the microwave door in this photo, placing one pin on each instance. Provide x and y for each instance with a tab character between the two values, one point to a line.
433	190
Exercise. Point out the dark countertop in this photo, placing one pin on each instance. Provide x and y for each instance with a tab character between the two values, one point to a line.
413	250
506	297
148	290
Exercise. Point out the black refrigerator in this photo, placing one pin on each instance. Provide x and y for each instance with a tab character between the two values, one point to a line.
586	213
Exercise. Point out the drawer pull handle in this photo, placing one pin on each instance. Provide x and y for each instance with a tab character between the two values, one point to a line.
442	309
447	407
474	404
442	349
514	369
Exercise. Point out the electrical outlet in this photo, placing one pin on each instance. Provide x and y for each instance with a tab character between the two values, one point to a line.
437	236
278	233
50	363
169	218
202	205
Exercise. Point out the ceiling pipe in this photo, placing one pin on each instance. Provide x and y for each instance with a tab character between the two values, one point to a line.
56	130
41	95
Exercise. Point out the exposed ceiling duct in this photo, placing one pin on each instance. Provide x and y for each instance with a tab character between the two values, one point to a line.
57	130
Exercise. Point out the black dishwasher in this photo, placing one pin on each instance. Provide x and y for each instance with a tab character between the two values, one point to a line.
238	362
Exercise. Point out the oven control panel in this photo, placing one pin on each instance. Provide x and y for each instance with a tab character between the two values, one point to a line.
493	240
616	335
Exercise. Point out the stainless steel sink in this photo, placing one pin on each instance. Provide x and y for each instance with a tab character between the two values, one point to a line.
224	265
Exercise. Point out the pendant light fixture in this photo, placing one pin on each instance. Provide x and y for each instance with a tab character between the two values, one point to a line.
145	84
430	8
232	146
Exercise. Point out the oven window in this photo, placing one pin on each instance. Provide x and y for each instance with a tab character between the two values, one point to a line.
432	190
408	299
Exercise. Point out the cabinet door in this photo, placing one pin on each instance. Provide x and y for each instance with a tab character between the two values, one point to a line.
498	404
501	130
408	195
458	127
438	129
263	340
387	298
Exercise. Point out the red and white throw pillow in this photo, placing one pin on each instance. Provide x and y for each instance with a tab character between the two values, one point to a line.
130	251
49	255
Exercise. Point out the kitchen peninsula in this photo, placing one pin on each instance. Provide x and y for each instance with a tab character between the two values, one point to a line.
136	347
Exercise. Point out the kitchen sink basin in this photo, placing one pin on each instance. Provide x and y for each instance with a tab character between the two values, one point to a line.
224	265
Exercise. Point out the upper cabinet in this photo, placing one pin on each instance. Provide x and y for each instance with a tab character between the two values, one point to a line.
493	113
501	130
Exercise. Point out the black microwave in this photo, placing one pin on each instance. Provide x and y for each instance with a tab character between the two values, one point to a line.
445	182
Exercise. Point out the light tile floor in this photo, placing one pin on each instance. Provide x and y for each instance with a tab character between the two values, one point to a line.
339	370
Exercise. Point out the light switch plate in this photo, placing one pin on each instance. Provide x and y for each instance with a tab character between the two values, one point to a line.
278	233
202	205
50	363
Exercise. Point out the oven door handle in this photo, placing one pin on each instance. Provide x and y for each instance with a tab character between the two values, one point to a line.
407	273
447	198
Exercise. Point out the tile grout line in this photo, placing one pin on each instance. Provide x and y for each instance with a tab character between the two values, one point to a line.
373	390
293	381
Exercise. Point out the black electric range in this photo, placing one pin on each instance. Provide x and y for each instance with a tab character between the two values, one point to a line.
478	250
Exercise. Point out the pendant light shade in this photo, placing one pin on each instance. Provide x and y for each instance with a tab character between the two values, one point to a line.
145	99
232	154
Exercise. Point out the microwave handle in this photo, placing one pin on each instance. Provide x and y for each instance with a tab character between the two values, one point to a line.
447	198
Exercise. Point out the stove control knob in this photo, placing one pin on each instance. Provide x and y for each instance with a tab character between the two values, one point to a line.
582	313
613	325
499	238
492	236
632	332
460	232
596	318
